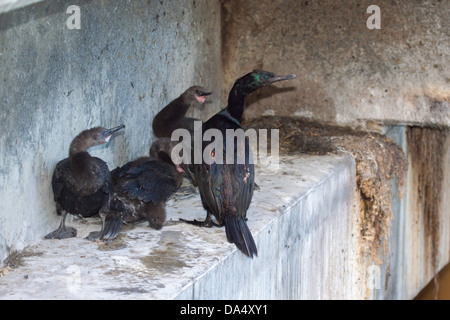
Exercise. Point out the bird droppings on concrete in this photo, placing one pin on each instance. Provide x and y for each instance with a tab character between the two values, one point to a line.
166	257
117	244
143	263
378	160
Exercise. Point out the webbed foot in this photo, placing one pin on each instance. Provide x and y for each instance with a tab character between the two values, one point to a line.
94	236
62	233
208	223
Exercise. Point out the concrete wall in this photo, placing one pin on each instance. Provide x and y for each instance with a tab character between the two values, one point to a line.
128	60
427	224
418	244
346	73
349	74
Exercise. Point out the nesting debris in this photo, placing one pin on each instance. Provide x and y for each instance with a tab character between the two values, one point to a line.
4	271
15	260
378	161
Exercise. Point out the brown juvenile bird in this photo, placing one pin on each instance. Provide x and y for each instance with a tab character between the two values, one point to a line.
81	183
173	116
140	190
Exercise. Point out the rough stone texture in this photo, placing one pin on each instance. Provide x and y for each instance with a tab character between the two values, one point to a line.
128	60
346	73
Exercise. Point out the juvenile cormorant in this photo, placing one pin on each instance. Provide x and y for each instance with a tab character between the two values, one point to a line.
226	189
141	189
81	183
173	116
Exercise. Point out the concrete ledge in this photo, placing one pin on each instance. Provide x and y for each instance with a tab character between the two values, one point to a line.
301	221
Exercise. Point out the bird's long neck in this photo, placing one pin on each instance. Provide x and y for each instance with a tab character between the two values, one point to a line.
236	101
80	159
79	156
176	110
79	145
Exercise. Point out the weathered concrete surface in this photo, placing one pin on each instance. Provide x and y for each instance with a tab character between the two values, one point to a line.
301	219
128	60
419	242
346	73
306	226
8	5
427	224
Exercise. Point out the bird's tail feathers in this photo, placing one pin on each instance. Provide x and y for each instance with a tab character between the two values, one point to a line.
112	225
113	221
238	233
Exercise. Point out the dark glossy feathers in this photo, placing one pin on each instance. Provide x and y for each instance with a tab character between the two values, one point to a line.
84	191
227	189
151	181
140	191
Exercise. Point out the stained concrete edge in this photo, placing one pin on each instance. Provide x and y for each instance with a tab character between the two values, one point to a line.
299	220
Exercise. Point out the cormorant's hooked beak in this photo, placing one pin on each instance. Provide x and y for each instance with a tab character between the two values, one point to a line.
110	132
201	96
282	78
204	94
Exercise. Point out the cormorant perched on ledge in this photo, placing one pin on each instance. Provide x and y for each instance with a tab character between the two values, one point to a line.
141	189
81	183
226	189
173	116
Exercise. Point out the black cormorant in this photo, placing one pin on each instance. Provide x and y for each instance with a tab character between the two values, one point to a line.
226	189
81	183
141	188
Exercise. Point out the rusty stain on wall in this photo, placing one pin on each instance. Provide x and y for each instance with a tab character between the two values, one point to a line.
426	154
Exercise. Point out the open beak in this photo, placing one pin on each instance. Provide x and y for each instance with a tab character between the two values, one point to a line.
110	132
283	78
201	96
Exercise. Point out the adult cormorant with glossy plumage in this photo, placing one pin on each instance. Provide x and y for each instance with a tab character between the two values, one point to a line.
81	183
141	188
226	189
